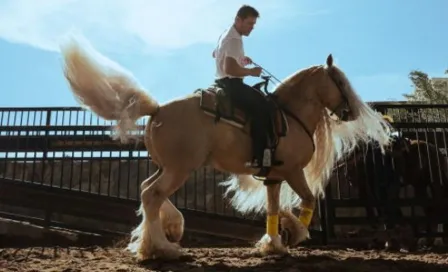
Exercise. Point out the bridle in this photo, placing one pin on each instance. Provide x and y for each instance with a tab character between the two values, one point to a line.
344	106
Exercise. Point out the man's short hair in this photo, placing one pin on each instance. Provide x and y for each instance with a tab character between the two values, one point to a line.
247	11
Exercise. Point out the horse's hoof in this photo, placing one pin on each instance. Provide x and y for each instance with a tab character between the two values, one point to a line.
271	246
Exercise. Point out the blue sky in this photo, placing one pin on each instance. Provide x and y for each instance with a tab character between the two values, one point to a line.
168	45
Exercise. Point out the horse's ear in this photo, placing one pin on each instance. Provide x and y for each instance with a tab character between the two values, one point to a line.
330	60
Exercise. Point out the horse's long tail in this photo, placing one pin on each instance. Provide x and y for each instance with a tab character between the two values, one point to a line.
104	87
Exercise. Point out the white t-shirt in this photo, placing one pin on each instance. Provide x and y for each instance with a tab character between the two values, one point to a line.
230	44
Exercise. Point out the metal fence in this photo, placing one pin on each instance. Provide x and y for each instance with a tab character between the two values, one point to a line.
409	185
72	149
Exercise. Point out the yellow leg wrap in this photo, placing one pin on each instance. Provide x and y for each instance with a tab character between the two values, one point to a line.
272	225
306	214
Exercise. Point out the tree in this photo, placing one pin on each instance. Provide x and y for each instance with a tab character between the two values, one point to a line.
428	90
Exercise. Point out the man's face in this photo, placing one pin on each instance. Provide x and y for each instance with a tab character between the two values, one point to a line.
246	25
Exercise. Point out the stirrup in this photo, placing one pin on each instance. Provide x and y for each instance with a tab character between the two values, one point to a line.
252	164
267	161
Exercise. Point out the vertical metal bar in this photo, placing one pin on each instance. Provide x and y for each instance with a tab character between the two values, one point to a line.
137	185
89	189
119	174
439	170
101	161
221	192
6	151
17	147
72	161
128	183
62	159
81	171
27	135
15	152
54	154
45	147
205	180
3	134
35	148
444	133
110	173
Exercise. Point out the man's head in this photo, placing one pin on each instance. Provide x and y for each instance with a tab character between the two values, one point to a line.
245	19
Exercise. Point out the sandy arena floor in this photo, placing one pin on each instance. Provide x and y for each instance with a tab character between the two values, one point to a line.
96	258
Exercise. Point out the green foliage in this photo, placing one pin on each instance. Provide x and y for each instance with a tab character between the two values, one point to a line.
427	90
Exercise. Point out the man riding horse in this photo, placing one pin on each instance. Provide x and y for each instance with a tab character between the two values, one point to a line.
230	62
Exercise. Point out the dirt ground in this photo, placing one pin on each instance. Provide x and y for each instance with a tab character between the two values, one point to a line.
48	258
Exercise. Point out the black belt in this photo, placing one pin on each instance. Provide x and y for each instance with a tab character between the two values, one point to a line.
229	78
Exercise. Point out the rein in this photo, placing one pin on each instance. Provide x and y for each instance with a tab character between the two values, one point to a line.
274	97
343	106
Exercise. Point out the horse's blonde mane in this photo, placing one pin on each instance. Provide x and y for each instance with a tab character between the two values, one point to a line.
334	140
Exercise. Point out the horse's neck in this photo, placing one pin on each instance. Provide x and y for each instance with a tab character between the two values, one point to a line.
309	111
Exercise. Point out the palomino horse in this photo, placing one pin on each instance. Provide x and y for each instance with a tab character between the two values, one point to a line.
181	137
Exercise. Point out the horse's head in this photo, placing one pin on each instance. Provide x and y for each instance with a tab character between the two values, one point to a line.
326	86
315	95
333	94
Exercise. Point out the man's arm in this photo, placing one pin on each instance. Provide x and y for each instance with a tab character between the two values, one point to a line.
232	51
232	68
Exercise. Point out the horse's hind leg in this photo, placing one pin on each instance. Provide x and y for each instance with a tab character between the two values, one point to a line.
172	221
136	234
154	243
172	218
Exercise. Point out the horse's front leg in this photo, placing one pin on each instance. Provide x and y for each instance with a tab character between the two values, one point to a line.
298	228
271	242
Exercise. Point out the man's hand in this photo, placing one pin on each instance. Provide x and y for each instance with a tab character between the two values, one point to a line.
246	61
256	71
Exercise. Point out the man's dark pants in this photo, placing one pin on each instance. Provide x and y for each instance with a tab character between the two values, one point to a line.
253	103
